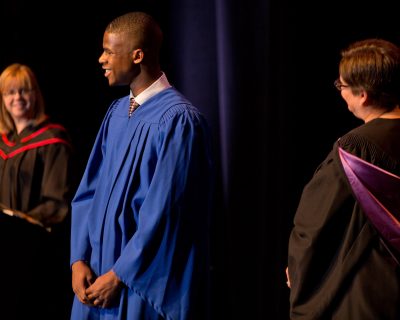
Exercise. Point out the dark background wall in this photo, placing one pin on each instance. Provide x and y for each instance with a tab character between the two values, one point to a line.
262	72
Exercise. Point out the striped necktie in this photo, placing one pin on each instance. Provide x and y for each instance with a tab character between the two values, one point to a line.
132	106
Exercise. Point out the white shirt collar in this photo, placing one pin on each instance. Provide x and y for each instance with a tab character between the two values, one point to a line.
157	86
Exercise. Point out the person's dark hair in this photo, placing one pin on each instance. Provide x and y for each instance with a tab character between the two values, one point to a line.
142	29
374	66
22	76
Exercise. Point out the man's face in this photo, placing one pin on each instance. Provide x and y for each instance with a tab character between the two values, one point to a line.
117	60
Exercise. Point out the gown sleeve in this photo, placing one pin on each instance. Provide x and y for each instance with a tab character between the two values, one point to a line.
320	224
165	258
82	201
55	188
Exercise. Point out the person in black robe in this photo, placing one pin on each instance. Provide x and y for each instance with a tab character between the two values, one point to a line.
339	265
35	195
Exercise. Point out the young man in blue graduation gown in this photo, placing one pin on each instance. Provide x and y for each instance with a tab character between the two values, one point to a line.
139	237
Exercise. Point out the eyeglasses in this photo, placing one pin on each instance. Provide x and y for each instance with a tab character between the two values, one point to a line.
339	85
13	92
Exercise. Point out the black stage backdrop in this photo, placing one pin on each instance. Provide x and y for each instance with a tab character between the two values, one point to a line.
261	71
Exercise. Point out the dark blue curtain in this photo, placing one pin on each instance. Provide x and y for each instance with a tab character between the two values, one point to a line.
261	71
231	65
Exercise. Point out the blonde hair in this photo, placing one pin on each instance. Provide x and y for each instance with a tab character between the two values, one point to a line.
23	76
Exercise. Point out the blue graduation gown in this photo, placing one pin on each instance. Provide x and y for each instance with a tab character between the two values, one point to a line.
142	209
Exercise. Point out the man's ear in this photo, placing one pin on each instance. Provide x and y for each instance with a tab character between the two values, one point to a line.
137	56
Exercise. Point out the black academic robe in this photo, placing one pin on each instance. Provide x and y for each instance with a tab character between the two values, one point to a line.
35	179
338	266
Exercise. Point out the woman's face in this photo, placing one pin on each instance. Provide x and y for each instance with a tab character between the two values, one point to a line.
352	100
19	101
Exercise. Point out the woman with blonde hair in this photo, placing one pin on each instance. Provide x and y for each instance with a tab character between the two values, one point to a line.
35	179
17	75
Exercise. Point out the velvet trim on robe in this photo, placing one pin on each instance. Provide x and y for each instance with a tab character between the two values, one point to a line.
378	192
142	209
